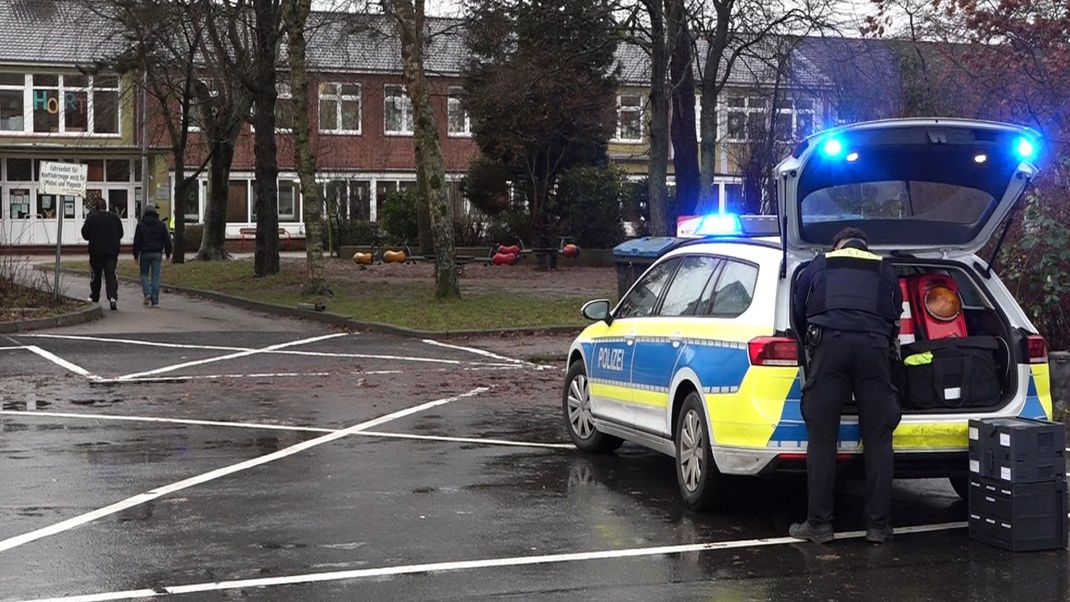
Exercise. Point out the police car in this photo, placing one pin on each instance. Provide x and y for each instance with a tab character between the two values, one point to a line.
699	359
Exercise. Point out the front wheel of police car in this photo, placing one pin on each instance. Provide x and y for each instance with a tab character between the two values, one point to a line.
696	472
579	421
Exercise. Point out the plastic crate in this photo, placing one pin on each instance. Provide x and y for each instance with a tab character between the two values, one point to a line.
1021	517
1017	450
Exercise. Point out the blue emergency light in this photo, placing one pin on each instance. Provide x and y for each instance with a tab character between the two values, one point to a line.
1025	148
832	147
720	224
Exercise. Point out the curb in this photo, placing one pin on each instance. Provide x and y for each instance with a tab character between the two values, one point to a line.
339	320
78	317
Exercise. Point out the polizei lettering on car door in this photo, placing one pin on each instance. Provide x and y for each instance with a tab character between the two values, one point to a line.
611	359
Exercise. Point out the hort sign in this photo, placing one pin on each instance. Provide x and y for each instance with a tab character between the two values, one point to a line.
65	179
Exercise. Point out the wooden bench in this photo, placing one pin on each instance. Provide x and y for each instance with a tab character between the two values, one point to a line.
245	234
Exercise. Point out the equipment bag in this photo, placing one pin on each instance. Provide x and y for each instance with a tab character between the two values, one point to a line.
951	373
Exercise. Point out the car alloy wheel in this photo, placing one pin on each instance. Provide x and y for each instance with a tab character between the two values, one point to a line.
579	407
692	450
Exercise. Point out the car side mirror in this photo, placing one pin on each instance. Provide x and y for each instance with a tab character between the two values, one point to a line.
597	310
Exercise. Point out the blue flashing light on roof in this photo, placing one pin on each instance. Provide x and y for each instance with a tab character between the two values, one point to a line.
832	147
720	224
1025	148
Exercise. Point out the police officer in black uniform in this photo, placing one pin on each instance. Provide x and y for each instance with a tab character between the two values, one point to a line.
848	303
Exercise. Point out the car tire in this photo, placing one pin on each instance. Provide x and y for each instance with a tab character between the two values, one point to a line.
961	485
696	472
576	406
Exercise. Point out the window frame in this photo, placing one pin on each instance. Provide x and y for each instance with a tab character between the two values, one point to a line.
621	109
283	92
406	102
61	89
451	96
789	107
337	100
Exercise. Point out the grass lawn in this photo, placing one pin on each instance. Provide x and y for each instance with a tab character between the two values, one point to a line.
394	294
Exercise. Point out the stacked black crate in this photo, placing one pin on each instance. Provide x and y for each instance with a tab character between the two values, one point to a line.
1018	483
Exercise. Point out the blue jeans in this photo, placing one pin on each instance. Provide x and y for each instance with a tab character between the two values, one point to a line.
151	288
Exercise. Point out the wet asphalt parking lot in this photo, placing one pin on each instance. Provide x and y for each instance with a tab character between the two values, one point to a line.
321	465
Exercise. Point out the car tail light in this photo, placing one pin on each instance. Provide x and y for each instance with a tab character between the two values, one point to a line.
943	303
773	351
1038	349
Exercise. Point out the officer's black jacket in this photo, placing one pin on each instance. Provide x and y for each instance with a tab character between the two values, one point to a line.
849	289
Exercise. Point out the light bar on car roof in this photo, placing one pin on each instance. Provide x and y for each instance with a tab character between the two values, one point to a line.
726	225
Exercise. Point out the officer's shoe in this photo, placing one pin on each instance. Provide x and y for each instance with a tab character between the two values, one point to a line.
879	535
818	534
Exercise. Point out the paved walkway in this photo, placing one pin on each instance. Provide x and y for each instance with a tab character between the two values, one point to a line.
176	313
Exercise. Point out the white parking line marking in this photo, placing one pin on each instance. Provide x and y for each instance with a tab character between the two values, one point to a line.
275	351
18	540
279	427
247	425
12	348
74	337
482	352
462	565
231	356
478	440
59	361
164	379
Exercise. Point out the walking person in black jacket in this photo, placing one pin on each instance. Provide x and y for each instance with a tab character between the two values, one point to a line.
151	242
104	230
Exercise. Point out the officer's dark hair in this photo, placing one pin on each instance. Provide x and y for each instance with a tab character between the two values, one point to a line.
850	233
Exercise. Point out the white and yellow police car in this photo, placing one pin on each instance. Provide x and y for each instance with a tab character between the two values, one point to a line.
699	360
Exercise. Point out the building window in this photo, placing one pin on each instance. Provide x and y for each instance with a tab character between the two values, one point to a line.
459	123
12	97
629	118
284	107
747	122
105	106
289	195
20	203
746	118
397	111
71	103
340	108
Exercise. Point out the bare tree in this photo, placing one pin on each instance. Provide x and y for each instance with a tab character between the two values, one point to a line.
731	30
409	20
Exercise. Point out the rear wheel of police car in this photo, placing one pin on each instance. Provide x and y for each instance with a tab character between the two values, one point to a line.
579	421
696	472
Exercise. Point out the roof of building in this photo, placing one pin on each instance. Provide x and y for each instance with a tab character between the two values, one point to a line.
64	32
53	32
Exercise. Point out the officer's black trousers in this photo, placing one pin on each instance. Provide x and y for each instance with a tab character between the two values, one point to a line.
846	363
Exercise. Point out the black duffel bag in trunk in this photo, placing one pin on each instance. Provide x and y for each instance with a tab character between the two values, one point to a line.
951	373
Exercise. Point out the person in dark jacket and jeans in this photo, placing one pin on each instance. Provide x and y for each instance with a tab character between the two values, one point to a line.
104	231
151	242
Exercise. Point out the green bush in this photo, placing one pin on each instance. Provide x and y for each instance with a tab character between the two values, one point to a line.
1034	265
468	230
588	203
398	217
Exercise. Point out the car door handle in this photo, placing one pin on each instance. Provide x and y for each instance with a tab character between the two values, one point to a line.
676	340
629	338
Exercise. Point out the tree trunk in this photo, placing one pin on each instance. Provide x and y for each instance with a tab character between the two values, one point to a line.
266	261
430	172
178	207
214	237
711	87
659	121
684	137
295	16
